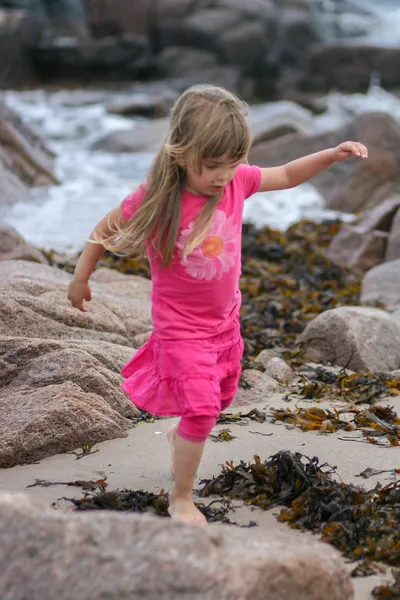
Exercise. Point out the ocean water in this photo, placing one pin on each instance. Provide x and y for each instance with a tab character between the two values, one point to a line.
385	21
62	217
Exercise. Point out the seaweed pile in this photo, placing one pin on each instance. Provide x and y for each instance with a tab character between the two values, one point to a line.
362	524
388	592
96	497
379	425
286	282
315	383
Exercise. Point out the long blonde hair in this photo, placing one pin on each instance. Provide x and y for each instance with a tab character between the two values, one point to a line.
206	122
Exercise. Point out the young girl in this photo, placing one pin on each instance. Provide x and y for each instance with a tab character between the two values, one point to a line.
188	218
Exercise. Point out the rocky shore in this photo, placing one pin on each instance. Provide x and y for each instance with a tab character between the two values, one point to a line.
263	49
60	392
320	319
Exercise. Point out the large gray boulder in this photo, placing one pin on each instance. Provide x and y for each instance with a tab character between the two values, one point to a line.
33	302
25	160
60	368
114	58
20	33
56	395
257	387
393	243
365	243
347	65
46	555
382	284
13	246
268	120
358	337
354	185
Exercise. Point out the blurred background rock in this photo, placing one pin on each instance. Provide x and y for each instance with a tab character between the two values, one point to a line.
262	48
88	85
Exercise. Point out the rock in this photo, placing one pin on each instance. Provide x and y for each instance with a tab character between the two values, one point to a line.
245	44
396	315
265	356
275	119
393	245
12	189
20	33
25	161
395	374
278	369
13	246
382	284
144	105
33	302
113	17
355	185
354	248
364	244
177	9
261	386
263	10
347	66
46	554
117	283
267	121
358	337
141	339
180	61
114	58
380	217
55	395
298	32
145	137
204	27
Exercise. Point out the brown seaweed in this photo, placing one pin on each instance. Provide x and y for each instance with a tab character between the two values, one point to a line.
242	418
366	567
84	484
375	422
315	383
287	280
224	435
388	591
362	524
137	501
140	501
87	448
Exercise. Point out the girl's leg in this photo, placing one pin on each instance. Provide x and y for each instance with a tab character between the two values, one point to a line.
171	436
190	438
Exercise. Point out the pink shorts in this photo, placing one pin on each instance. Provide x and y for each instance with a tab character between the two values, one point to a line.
185	378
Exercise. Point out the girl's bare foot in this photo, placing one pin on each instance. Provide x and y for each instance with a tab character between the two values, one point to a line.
184	509
171	433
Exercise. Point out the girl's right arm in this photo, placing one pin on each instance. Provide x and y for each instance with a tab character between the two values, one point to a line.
79	289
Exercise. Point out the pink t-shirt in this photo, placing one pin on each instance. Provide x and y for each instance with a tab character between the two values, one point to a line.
199	297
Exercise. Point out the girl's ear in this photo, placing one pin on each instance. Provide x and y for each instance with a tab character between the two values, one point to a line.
181	163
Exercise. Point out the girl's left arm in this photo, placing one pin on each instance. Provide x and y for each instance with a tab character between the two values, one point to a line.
301	170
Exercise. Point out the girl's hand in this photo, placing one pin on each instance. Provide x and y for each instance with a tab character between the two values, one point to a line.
348	150
77	293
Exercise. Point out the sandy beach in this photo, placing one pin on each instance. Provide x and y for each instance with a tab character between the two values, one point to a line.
141	461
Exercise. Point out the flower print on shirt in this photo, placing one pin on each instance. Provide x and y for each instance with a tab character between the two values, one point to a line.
217	254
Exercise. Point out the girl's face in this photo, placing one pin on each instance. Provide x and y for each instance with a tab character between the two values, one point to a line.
215	174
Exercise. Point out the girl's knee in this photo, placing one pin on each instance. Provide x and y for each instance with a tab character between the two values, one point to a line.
196	429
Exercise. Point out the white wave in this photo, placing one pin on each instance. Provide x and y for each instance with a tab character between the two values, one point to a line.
62	217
